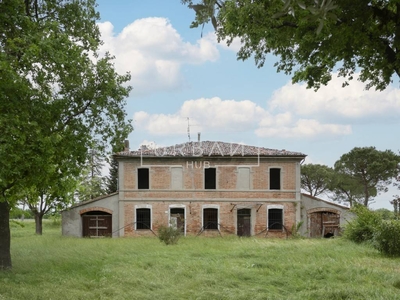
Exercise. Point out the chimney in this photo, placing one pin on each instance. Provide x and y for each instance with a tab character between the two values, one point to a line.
126	146
198	137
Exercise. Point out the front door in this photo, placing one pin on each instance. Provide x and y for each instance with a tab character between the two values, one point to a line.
177	218
244	222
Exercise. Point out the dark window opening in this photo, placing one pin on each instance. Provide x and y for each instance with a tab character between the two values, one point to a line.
274	179
143	219
275	218
143	179
210	218
210	178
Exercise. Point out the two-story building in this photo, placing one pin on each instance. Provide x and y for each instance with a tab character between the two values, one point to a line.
207	188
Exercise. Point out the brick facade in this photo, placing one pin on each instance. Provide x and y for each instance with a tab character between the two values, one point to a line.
241	183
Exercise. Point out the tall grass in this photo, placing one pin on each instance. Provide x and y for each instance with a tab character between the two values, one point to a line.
56	267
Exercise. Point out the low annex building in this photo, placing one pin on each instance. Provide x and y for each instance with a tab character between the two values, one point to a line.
208	188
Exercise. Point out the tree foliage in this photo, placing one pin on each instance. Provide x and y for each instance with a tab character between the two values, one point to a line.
369	169
56	96
312	38
316	179
112	179
91	182
345	188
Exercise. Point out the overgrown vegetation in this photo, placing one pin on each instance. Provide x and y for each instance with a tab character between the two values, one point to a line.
170	235
376	228
55	267
387	237
362	228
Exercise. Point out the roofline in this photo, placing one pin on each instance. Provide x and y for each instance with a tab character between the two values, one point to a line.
116	155
91	200
319	199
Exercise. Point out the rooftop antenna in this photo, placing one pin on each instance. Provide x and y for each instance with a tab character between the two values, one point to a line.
188	129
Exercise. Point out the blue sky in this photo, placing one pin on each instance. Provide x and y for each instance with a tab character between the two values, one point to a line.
180	73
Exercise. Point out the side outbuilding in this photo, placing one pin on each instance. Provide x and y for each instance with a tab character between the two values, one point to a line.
94	218
322	218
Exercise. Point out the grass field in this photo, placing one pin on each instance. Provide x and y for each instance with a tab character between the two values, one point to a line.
56	267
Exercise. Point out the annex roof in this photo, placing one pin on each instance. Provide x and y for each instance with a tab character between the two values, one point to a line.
208	148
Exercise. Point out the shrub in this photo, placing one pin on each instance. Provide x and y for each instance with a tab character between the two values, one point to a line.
363	227
387	237
169	234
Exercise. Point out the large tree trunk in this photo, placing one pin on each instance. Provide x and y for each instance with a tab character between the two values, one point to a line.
5	238
39	223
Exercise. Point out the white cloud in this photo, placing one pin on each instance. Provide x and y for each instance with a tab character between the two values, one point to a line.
153	52
234	46
336	103
217	115
304	128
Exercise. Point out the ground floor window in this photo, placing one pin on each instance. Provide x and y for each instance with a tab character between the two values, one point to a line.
143	218
275	218
210	218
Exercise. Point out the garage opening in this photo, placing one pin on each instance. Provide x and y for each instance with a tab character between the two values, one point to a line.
96	224
324	224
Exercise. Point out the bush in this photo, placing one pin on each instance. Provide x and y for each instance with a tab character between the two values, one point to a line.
169	234
387	238
363	227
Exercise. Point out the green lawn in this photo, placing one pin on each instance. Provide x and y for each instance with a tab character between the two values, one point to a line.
56	267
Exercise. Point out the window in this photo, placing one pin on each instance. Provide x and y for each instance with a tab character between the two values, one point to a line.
143	218
143	179
210	218
243	179
210	178
274	179
176	178
275	218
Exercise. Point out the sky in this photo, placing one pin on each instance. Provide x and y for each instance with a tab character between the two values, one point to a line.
185	82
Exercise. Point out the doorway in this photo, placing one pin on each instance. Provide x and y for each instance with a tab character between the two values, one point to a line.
244	222
177	218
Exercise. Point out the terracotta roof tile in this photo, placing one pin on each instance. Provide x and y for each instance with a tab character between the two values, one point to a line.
209	148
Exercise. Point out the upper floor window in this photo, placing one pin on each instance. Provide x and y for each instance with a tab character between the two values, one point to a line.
143	179
210	178
176	178
274	179
243	178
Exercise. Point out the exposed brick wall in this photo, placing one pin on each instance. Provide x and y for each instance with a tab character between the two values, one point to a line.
194	196
194	211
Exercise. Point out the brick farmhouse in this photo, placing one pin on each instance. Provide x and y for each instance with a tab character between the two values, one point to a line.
206	188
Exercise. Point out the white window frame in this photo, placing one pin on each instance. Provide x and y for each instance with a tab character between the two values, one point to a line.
169	214
205	206
276	206
149	206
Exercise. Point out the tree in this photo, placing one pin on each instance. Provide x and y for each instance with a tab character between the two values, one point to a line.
372	170
345	188
316	179
91	183
56	96
112	179
53	196
312	38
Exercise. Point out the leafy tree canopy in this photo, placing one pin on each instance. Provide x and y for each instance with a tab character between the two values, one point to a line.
312	38
316	179
372	170
56	96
